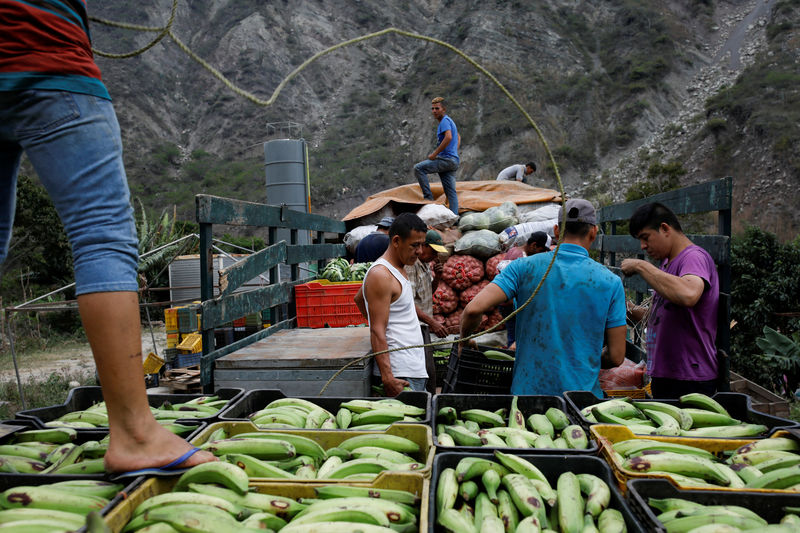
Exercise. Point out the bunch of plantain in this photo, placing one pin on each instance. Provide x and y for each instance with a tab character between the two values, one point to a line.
679	515
216	498
762	464
506	428
512	495
61	506
266	454
294	413
700	416
53	451
96	416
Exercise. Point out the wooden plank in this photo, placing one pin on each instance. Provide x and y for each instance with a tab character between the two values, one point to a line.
718	246
239	273
700	198
207	360
219	311
305	253
217	210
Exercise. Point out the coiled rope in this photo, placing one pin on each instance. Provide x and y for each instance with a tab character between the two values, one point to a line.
167	31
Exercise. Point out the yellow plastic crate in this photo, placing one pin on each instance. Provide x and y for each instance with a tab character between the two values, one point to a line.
637	394
607	435
419	433
173	339
415	483
171	319
152	364
191	343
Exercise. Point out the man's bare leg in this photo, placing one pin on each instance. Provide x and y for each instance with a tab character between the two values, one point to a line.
111	321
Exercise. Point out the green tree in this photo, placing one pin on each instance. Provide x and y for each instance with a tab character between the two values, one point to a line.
766	282
39	255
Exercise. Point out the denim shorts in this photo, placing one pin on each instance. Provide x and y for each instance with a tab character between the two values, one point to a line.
73	142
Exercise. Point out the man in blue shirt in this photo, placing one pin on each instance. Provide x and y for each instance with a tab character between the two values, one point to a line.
560	332
444	159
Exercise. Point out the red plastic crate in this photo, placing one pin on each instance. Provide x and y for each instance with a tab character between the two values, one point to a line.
324	303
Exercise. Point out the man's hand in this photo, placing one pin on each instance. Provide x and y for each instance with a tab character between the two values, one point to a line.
432	156
393	386
437	269
438	329
630	267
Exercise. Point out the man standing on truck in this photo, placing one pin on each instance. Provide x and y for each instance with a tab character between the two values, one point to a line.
444	159
386	299
560	332
682	319
55	108
517	172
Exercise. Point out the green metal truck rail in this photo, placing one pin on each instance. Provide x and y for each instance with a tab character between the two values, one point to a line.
278	296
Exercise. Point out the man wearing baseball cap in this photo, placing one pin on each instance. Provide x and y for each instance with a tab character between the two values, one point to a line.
373	245
560	332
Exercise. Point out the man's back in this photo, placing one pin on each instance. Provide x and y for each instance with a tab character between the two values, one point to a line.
560	333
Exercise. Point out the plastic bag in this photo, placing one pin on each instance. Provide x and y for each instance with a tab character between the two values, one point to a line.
473	222
519	234
482	243
437	216
354	236
625	376
502	216
547	212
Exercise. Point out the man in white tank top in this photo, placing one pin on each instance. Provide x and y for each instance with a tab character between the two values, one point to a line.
386	299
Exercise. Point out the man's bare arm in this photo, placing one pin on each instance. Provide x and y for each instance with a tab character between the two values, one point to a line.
614	353
681	290
489	297
448	136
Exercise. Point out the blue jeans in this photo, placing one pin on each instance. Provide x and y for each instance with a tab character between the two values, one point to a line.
417	384
446	168
73	142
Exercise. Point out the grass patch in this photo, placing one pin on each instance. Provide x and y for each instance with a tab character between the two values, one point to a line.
40	392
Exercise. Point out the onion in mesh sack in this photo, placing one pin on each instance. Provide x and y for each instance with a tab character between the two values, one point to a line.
445	299
468	294
461	271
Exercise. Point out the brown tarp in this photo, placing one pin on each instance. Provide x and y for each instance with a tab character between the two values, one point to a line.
472	196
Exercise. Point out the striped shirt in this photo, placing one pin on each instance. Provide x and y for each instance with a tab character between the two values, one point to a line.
45	44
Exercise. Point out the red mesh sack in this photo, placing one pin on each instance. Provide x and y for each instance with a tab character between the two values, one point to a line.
491	266
445	299
461	271
467	295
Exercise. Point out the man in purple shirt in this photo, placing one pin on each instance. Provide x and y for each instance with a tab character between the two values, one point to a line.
682	322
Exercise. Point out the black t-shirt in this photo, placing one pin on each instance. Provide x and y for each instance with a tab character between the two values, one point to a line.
371	247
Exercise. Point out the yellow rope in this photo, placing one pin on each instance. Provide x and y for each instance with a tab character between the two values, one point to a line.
166	30
163	33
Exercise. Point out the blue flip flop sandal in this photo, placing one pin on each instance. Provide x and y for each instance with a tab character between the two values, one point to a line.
158	471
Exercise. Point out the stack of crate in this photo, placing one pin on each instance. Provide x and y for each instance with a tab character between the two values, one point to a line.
184	342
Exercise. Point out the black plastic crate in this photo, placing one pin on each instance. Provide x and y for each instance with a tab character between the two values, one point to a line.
768	506
81	398
527	404
257	399
738	405
474	373
551	466
7	479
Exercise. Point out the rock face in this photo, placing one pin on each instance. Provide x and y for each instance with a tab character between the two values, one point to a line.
605	81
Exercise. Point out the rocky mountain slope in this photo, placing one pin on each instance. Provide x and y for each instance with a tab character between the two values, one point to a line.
616	87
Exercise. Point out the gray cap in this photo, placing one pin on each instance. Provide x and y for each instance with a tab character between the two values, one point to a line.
579	211
386	222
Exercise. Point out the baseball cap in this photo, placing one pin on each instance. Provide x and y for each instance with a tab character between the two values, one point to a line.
386	222
578	210
434	240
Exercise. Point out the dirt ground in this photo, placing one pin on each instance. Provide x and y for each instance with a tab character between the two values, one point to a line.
74	358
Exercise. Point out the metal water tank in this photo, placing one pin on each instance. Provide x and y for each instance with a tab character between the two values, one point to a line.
286	170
